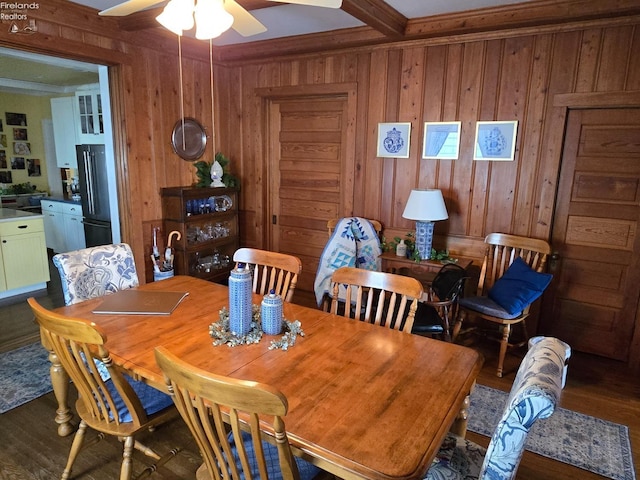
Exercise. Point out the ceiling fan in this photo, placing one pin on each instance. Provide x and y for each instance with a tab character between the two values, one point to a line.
237	17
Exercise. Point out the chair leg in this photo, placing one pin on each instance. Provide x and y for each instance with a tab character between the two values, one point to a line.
125	470
76	446
504	343
457	326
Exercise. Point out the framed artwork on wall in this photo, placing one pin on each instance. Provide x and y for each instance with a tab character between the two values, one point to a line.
441	140
495	141
393	140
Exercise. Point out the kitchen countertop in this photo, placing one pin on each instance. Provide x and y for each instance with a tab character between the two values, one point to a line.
9	214
60	199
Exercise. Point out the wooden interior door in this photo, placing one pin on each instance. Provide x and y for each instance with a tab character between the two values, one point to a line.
594	300
308	168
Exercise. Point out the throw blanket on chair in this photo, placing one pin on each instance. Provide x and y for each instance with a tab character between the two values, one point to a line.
353	243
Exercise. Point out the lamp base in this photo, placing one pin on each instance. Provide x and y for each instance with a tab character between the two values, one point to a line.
424	239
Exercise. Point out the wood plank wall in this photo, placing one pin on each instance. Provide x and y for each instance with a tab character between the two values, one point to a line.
513	77
503	75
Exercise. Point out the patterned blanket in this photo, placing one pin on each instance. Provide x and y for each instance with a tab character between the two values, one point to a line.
354	243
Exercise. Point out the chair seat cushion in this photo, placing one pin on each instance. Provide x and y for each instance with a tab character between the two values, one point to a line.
152	400
518	287
458	459
306	469
486	306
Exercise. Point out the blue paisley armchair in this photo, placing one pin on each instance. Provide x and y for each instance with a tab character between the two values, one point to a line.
96	271
535	394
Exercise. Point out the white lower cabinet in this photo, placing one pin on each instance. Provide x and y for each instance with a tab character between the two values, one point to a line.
73	227
23	254
63	227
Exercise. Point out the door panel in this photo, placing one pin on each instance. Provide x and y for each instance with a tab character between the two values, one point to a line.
594	298
306	175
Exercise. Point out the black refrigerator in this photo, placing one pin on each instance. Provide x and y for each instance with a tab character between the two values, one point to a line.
94	193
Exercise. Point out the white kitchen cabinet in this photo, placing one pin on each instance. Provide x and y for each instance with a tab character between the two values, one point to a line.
53	225
23	253
89	111
63	227
65	131
74	238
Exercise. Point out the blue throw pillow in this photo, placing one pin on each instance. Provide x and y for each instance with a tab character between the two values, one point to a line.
519	287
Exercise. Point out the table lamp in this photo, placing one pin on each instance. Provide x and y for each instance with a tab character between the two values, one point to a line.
425	207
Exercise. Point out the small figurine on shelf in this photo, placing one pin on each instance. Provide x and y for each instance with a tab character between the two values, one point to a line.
216	175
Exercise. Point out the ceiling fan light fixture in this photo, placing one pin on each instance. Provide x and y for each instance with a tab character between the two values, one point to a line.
177	16
211	19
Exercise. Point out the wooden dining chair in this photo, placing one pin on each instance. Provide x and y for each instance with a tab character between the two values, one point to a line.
118	405
96	271
271	271
510	280
225	416
534	396
380	298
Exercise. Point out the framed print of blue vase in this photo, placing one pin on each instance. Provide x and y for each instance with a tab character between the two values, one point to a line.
495	141
393	140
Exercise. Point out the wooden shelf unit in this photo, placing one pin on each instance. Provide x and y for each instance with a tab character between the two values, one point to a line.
208	233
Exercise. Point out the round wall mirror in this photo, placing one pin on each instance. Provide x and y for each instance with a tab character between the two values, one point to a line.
192	145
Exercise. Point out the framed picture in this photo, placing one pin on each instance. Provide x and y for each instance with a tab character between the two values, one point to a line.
17	163
441	140
495	140
3	159
5	177
33	167
21	148
16	119
1	128
3	141
393	140
20	134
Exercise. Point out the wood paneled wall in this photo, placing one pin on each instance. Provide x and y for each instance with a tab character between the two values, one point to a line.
502	75
511	78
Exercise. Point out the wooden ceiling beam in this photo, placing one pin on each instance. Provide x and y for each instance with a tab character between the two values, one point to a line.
378	15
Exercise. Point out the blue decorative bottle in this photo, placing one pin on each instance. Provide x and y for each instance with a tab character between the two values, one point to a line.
240	307
271	313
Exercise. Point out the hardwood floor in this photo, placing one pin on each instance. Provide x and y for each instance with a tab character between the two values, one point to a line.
32	449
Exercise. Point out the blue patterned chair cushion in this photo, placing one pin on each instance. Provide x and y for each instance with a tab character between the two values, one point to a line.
96	271
152	399
306	469
518	287
534	395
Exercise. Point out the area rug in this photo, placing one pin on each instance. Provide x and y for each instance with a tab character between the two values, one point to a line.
24	375
580	440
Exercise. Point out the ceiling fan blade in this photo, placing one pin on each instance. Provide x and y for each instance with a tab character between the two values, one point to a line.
126	8
243	22
314	3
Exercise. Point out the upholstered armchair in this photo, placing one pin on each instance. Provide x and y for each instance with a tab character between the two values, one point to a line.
534	395
96	271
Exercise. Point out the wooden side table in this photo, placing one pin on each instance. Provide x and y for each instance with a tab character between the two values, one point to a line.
424	271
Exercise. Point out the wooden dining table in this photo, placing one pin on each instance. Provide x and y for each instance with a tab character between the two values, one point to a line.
364	401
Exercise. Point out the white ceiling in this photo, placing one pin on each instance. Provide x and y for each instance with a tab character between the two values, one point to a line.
41	75
284	20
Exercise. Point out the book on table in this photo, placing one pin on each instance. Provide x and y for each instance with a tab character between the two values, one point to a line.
141	302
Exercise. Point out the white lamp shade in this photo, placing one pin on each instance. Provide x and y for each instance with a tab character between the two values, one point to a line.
425	205
177	16
211	19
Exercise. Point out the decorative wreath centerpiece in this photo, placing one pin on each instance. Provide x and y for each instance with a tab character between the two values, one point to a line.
222	334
